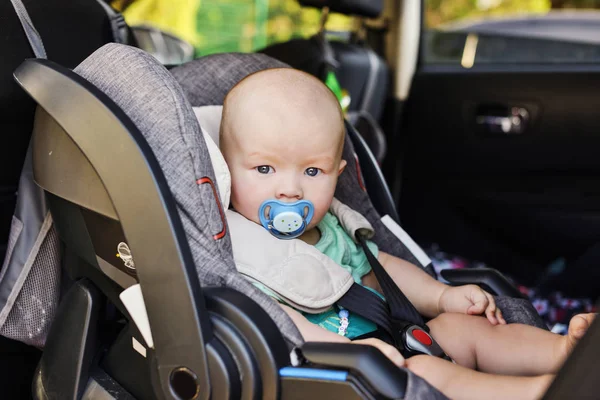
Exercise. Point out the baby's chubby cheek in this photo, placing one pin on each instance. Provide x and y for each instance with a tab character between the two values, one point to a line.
321	206
246	204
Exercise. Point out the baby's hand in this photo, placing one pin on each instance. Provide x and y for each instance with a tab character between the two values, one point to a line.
470	299
388	350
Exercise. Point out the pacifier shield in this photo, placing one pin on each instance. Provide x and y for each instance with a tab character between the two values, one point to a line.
287	221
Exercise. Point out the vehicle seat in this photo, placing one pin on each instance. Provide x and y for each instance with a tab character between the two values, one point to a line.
359	69
71	30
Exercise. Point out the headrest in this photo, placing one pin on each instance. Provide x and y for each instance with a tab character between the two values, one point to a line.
207	80
362	8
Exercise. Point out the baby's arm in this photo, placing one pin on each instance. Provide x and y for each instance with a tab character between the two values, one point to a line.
431	297
314	333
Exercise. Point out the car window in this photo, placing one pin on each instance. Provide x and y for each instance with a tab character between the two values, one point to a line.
246	25
470	32
215	26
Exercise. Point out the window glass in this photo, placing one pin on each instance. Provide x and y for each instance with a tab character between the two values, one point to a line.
242	25
470	32
214	26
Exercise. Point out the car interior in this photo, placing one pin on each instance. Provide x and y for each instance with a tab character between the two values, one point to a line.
83	195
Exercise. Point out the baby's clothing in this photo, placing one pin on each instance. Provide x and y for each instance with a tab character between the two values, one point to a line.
337	245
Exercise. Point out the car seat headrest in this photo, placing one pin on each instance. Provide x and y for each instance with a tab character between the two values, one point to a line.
362	8
207	80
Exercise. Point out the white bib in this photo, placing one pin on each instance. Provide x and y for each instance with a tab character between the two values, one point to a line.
301	275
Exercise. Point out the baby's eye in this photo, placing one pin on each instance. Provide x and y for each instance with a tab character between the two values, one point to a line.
312	171
264	169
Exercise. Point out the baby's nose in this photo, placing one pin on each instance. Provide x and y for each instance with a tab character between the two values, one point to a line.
289	190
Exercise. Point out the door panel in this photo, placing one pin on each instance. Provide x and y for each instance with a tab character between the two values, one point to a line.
516	201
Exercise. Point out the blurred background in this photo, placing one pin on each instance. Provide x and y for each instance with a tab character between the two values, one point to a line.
212	26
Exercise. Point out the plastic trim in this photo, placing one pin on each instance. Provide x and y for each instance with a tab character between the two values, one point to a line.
167	273
313	373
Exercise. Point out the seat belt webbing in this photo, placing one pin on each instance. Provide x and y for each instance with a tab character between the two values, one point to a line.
363	302
35	40
401	309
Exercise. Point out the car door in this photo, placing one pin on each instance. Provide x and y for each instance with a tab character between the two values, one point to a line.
500	138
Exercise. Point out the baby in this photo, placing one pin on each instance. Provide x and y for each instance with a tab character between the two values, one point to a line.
282	136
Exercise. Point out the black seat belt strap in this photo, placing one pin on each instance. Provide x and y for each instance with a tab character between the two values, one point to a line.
363	302
401	309
408	330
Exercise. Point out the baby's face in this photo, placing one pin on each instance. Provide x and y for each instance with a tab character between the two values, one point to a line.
285	157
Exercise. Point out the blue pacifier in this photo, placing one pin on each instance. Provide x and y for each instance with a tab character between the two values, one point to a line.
286	220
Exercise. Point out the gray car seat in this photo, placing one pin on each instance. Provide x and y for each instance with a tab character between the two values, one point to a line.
359	69
166	209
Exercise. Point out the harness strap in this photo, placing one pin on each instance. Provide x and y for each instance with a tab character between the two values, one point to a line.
33	36
117	23
401	309
397	318
363	302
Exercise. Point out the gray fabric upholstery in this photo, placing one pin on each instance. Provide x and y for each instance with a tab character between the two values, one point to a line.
519	311
207	80
154	101
29	284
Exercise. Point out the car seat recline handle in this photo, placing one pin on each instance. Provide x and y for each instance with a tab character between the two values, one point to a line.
166	269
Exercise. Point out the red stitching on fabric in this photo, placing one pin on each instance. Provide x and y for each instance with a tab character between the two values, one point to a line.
202	181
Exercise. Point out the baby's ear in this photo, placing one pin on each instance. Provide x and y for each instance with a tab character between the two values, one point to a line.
342	166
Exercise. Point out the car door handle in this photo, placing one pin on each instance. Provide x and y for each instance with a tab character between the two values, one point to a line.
513	121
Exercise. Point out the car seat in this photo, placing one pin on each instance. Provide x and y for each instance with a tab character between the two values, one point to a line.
165	208
358	69
97	209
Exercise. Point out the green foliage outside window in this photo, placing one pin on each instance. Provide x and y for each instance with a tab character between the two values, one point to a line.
213	26
242	25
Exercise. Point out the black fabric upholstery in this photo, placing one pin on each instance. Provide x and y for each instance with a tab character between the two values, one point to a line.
363	8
